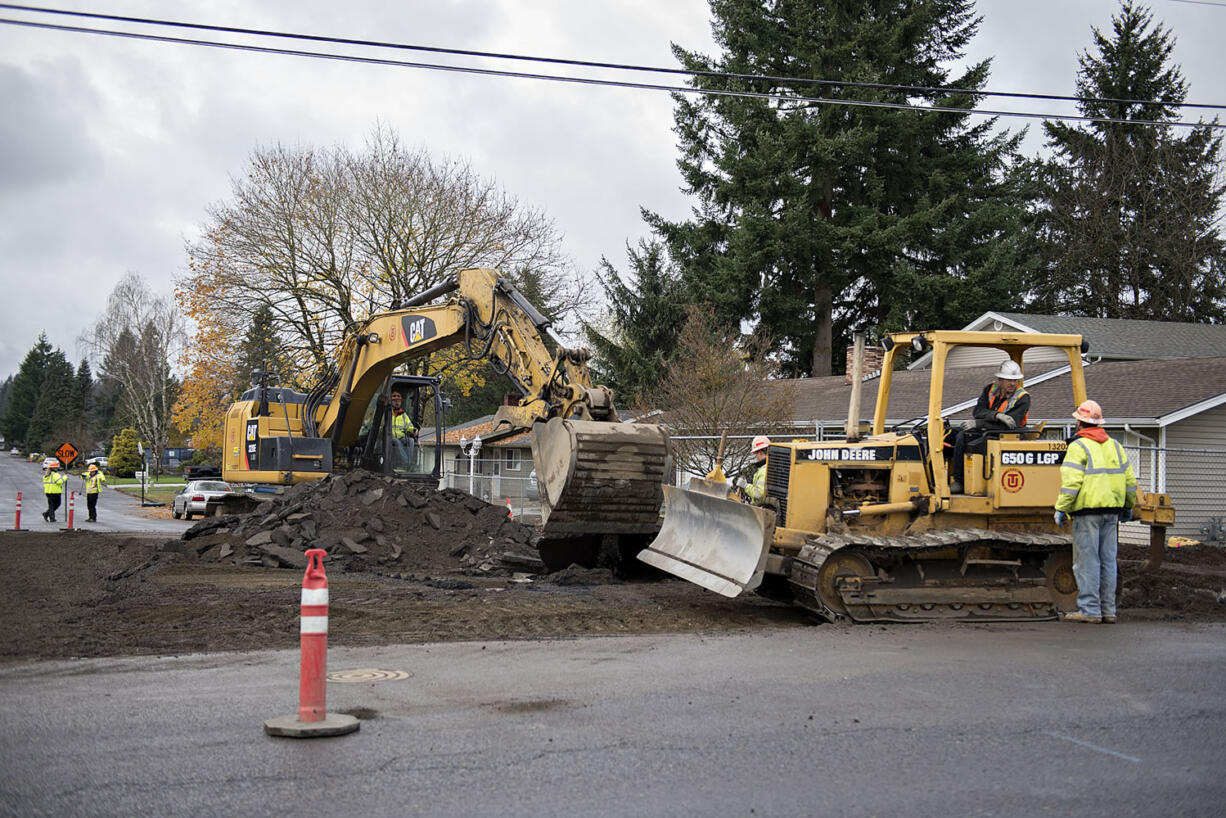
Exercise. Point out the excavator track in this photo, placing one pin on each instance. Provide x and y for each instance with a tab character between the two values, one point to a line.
988	576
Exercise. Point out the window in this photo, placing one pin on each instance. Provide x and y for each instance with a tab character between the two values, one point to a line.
511	459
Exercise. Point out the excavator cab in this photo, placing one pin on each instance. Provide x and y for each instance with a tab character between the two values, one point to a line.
402	430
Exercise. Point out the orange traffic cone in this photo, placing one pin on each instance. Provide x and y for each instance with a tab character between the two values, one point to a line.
510	515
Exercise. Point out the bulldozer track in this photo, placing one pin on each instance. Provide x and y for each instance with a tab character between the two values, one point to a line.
854	585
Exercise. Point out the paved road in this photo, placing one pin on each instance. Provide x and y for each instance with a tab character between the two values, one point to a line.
1006	720
117	512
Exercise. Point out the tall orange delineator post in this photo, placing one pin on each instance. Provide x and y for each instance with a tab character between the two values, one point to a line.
17	517
510	515
313	719
72	496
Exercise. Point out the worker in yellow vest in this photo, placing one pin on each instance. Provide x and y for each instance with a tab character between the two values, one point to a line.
94	481
404	434
53	486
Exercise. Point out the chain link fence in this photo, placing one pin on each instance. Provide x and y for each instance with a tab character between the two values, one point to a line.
491	480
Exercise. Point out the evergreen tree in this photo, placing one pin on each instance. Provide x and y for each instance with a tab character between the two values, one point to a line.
27	386
6	394
1127	225
815	217
647	310
260	350
54	406
124	459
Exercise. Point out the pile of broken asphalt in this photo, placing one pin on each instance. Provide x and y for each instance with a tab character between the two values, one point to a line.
370	522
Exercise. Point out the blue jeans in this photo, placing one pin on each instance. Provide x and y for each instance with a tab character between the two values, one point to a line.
1095	542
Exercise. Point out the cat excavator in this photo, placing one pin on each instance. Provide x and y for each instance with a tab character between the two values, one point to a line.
867	529
599	479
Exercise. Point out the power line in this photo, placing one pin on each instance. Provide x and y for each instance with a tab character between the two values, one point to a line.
1200	2
594	64
678	89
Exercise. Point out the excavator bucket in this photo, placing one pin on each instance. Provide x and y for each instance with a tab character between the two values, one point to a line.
599	477
712	541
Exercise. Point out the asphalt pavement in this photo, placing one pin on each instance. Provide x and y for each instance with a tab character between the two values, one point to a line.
117	512
1004	720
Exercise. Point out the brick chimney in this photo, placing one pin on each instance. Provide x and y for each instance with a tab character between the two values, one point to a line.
873	358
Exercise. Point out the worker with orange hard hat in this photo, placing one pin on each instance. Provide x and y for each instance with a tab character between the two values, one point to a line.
53	487
1098	489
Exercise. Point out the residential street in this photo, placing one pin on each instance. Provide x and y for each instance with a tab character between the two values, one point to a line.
918	721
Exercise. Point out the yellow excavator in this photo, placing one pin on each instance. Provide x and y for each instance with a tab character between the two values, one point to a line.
599	479
867	529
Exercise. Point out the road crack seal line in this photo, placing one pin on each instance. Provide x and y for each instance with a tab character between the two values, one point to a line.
1090	746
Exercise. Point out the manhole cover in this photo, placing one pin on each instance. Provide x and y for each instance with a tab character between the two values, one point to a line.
363	675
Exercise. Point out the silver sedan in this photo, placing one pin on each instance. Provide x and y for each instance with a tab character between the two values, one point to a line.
199	495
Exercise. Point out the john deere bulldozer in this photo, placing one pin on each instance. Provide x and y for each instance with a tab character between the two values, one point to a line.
867	529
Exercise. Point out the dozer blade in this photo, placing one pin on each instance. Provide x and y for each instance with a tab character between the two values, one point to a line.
597	477
711	541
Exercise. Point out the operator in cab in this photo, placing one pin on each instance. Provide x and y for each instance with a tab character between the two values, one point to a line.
1003	405
755	486
404	433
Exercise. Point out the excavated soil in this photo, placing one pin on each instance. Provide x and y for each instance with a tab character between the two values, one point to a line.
405	564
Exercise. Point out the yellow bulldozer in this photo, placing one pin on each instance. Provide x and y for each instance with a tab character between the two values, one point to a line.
867	529
599	479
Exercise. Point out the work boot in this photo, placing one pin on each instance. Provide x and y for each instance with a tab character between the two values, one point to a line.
1109	620
47	516
1078	616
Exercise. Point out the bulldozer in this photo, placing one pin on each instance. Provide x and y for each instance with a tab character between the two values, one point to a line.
866	529
599	479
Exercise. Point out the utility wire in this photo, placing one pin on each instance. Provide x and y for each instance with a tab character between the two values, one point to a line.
677	89
593	64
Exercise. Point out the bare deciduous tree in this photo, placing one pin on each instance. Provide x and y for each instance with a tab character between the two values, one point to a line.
717	385
133	343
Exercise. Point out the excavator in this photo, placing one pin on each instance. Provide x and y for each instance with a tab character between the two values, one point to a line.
867	529
599	479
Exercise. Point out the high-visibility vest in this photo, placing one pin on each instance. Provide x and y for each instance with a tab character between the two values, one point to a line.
1096	476
756	490
53	483
402	425
94	482
998	403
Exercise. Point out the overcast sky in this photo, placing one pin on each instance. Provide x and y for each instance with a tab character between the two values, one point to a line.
111	149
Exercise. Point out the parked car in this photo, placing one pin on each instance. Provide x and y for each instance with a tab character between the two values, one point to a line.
100	462
15	452
199	495
48	462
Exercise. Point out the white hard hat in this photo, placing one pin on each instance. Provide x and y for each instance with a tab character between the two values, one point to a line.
759	443
1089	412
1009	371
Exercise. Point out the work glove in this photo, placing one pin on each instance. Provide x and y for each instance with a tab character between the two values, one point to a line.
1060	517
1007	420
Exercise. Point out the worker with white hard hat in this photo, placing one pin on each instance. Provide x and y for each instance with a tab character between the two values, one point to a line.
755	488
1003	405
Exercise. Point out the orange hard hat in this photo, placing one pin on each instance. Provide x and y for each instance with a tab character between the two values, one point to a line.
93	467
759	443
53	465
1089	412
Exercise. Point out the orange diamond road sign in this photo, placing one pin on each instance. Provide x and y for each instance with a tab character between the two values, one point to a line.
66	453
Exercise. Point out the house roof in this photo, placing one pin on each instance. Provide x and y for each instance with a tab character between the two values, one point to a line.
1121	338
1126	390
483	426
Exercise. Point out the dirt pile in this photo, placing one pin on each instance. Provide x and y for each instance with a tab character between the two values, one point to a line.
367	521
1192	580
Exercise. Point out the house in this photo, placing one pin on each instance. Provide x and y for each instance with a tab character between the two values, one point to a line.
500	469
